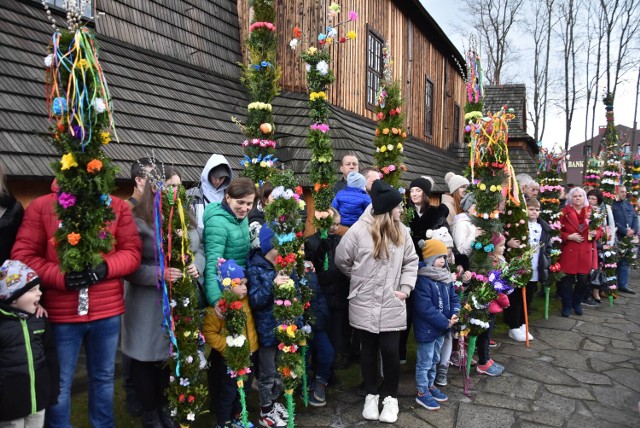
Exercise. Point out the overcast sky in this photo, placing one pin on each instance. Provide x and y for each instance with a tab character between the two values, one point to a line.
448	15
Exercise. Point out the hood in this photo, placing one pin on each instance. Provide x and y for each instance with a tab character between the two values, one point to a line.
207	188
256	258
366	215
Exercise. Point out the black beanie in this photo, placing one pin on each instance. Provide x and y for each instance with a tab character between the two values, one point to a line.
423	184
384	198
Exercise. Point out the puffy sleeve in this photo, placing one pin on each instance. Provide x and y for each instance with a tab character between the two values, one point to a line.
215	243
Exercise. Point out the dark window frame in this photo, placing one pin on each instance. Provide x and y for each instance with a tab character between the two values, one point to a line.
456	123
60	10
372	88
428	107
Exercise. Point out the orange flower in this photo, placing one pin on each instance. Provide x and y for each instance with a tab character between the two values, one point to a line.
73	238
377	132
297	32
94	166
404	135
395	130
385	131
286	371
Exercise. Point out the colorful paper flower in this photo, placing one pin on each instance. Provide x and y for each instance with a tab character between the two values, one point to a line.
94	166
73	238
68	161
66	200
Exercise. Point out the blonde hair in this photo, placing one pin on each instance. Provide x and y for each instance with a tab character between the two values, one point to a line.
385	230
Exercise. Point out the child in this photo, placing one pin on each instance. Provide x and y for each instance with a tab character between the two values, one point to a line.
321	348
435	310
223	390
539	237
463	230
262	276
29	369
485	364
352	200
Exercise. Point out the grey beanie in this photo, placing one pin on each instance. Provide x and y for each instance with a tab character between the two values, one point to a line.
467	202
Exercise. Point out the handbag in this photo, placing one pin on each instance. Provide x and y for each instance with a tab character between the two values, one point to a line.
597	278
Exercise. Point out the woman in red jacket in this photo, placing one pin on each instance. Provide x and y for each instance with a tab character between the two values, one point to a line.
579	254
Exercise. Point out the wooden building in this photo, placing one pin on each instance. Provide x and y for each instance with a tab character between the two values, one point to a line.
172	68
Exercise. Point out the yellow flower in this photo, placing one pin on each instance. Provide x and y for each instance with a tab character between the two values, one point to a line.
301	205
499	187
312	50
106	137
226	282
334	7
400	147
492	188
482	186
82	63
263	164
351	35
328	41
383	149
68	161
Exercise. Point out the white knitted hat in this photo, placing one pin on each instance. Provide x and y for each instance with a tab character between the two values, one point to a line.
455	181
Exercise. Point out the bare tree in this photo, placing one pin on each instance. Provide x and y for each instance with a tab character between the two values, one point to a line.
544	21
622	29
593	85
634	142
494	19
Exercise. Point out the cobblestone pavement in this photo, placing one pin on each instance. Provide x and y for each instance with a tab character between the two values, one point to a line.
579	372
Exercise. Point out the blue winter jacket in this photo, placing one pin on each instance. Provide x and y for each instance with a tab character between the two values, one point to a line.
625	218
350	203
318	303
434	303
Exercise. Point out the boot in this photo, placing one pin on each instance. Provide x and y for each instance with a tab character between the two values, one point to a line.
151	420
441	375
564	290
578	294
165	417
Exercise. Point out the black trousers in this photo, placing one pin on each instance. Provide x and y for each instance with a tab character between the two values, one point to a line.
386	344
404	334
224	399
514	314
150	381
339	330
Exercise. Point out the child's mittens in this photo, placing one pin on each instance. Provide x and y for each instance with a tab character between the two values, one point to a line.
494	307
503	300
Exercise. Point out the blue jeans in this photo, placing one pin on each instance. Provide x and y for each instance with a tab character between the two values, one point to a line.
100	340
427	364
323	354
622	272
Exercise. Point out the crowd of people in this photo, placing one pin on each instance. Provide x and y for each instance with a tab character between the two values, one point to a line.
383	280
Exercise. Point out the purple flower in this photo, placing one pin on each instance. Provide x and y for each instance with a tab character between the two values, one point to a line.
103	234
77	132
353	15
66	200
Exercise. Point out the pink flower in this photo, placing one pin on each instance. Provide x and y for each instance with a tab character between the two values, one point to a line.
392	168
322	127
279	302
66	200
287	303
353	15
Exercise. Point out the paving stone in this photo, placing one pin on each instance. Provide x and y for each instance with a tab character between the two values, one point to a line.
543	417
593	329
600	340
444	418
579	421
539	371
592	346
616	396
588	377
555	403
615	415
559	339
570	392
628	377
562	358
555	322
503	401
582	409
512	386
606	356
484	416
518	350
599	365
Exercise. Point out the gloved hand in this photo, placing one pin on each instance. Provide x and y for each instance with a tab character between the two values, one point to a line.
85	278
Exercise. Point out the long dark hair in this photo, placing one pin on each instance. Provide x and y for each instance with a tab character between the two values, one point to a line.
145	206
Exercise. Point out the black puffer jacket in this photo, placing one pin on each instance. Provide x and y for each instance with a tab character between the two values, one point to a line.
9	224
27	368
432	218
334	284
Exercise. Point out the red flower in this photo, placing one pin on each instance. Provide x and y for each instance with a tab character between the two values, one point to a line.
343	39
298	190
380	115
236	305
299	234
297	32
181	398
191	399
392	112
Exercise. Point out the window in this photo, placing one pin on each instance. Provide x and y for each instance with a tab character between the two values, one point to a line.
587	151
61	5
375	67
428	108
456	123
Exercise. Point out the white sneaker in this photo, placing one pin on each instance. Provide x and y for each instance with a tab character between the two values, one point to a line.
389	412
517	335
370	410
281	410
523	329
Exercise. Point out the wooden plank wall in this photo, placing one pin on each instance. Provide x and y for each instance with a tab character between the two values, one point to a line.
349	61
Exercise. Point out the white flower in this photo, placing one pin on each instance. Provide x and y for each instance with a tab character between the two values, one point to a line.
48	60
172	379
293	43
173	303
186	302
235	341
174	412
390	147
333	33
307	67
322	67
203	360
99	105
306	328
189	359
191	416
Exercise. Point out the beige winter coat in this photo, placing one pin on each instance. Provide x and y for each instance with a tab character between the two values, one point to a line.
373	306
448	202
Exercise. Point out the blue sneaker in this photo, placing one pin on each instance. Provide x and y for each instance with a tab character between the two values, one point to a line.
427	401
437	394
490	368
237	423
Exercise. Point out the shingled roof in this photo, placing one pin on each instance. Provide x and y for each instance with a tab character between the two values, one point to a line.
179	111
